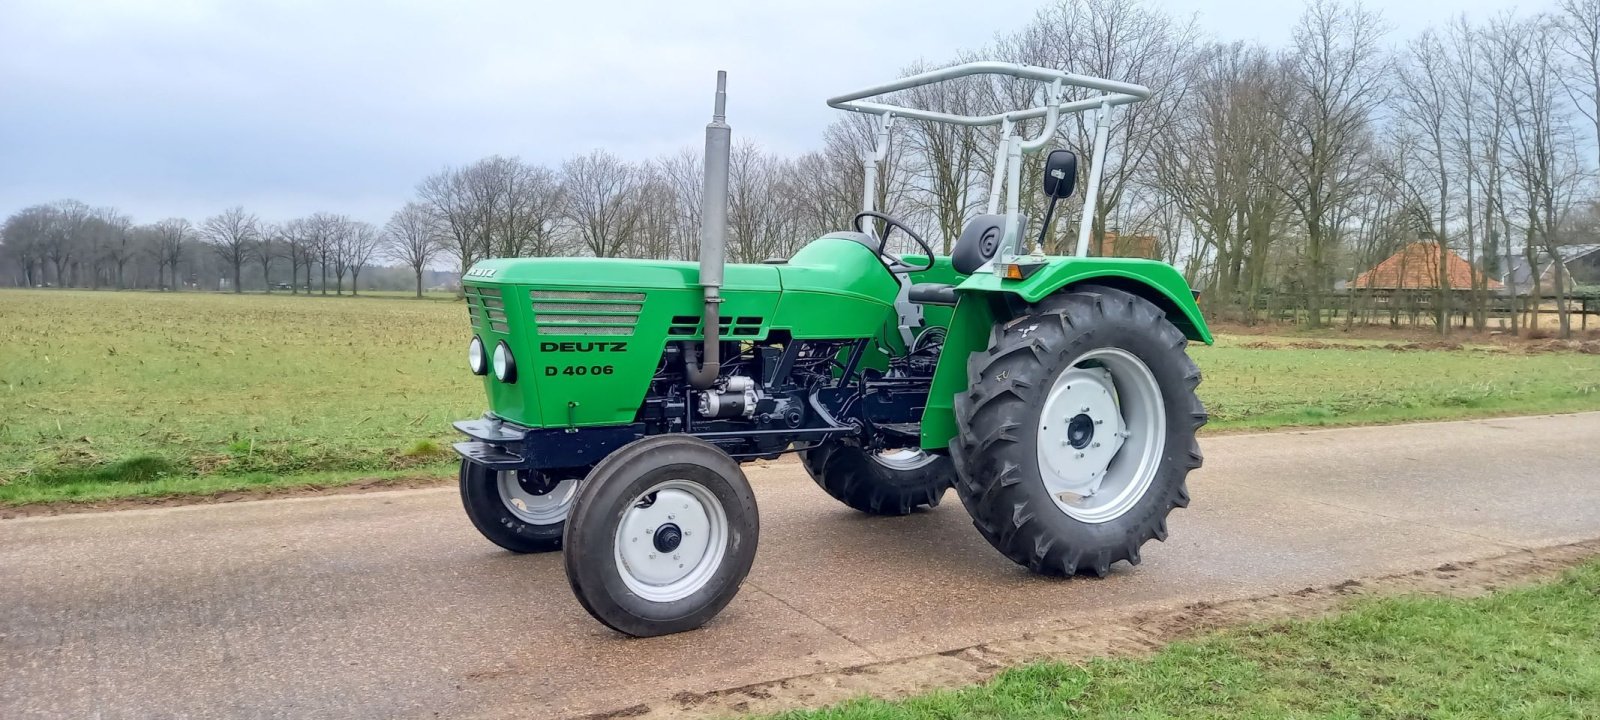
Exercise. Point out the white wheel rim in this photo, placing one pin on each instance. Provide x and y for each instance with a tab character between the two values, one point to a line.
651	563
1102	432
903	458
546	509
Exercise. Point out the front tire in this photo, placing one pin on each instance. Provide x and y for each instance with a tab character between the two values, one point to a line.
1078	432
663	532
523	513
879	483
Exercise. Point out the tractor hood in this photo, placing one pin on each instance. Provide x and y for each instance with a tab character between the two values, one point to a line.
615	273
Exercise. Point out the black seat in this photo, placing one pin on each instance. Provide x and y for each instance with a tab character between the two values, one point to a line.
979	242
932	294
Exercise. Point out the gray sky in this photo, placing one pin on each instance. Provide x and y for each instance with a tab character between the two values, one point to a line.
184	107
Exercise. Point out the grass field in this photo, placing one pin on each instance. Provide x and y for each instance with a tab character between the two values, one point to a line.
1524	653
111	394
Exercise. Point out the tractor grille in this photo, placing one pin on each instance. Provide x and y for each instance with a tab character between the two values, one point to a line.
586	312
740	326
486	308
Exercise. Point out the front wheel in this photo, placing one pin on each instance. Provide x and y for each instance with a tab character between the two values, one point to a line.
663	532
1078	432
521	511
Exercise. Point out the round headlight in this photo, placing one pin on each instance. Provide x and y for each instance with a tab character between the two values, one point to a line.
505	366
476	359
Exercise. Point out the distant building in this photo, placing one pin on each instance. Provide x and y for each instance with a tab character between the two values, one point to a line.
1582	263
1416	267
1135	246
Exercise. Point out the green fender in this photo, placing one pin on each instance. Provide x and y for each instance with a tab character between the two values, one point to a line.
986	298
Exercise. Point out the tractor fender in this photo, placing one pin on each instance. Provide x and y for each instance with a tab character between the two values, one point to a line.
986	298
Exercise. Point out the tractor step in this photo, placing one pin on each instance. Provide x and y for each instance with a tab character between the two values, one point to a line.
490	456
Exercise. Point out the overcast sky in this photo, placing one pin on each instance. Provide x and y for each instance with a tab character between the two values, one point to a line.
184	107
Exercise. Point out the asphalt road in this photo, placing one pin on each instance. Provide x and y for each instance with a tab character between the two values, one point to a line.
390	605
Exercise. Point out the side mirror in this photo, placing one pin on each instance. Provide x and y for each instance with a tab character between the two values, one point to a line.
1060	174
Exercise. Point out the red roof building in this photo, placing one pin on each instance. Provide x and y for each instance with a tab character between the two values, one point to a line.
1416	267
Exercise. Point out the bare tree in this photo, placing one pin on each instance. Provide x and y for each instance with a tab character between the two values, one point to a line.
231	233
414	238
267	247
26	235
173	235
1578	25
599	189
295	239
1337	71
1222	162
323	234
362	241
1542	146
63	240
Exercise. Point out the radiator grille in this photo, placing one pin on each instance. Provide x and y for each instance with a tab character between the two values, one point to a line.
586	312
737	326
486	308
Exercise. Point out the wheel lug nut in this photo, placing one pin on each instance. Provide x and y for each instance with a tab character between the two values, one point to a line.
1099	422
671	516
652	556
1077	455
1094	445
674	556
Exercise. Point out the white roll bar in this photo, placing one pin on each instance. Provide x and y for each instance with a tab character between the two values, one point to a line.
1011	146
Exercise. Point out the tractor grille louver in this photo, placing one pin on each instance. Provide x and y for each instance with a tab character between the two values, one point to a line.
739	326
486	308
586	312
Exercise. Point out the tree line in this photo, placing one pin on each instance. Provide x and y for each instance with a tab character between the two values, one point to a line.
1255	169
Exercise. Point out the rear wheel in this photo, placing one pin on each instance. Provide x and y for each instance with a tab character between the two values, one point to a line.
663	532
1078	432
884	482
521	511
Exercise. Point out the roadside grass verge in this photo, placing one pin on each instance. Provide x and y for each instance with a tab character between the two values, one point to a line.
149	478
207	392
1530	652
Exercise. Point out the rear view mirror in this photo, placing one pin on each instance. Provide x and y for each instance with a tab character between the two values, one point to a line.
1060	174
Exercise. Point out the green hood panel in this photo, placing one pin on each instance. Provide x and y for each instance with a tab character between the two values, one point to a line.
619	273
588	333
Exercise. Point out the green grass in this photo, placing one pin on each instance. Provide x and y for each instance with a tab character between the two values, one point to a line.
1262	388
1525	653
98	388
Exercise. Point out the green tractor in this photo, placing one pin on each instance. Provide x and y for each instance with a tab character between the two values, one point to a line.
1053	393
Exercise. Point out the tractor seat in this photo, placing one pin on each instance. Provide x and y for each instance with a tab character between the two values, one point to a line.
932	294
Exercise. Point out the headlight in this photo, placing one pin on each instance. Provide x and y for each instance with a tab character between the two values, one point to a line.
475	357
505	366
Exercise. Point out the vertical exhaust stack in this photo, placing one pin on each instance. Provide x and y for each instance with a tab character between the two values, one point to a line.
713	238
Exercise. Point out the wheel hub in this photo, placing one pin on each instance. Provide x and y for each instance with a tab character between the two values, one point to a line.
1102	431
671	540
1080	430
668	537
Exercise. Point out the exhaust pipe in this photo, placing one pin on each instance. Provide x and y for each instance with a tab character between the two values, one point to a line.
713	239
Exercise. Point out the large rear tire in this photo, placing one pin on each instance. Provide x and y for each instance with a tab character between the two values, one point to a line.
663	532
892	482
522	512
1077	433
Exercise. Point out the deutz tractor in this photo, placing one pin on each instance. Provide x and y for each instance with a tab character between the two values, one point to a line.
1053	393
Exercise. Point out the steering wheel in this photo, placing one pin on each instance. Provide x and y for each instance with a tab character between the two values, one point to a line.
890	260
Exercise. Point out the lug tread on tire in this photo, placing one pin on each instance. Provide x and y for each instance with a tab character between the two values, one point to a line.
993	416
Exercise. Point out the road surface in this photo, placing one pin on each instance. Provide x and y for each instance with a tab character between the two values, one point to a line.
390	605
